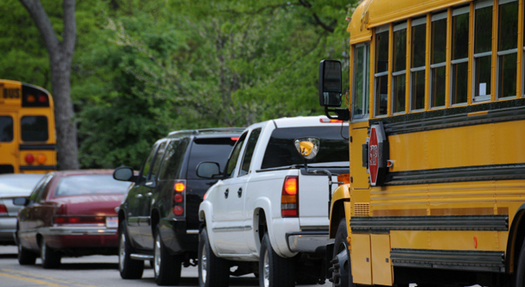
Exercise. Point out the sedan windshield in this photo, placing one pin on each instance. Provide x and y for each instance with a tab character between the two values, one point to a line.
90	185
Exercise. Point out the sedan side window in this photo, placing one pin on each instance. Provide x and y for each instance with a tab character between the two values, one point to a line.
36	195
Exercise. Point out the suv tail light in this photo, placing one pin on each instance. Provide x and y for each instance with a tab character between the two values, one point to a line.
179	198
289	202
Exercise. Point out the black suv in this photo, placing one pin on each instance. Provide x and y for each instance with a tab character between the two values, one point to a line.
158	219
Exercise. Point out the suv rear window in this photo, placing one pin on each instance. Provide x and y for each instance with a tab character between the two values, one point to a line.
209	149
281	150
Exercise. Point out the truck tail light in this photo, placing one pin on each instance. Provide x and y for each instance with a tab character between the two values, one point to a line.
179	198
289	202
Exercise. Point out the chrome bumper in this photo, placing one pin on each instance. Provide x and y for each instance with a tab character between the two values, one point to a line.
72	230
308	241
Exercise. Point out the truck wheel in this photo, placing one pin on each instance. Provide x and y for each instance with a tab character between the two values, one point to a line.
50	258
341	263
25	257
274	270
165	266
128	268
213	271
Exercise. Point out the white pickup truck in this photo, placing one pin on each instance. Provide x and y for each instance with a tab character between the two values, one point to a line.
268	212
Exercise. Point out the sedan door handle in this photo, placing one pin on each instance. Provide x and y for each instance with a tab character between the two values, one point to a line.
239	192
226	193
138	195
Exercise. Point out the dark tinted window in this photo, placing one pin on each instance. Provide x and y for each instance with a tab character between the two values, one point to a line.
34	128
147	164
248	153
37	192
158	159
209	149
281	150
174	158
90	185
6	129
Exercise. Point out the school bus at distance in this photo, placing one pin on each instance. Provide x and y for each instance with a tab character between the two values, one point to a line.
436	188
27	129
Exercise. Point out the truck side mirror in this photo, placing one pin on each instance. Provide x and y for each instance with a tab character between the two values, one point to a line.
307	147
330	83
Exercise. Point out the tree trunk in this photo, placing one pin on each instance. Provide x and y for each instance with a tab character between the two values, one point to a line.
60	55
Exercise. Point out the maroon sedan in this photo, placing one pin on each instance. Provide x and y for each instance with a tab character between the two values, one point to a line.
69	213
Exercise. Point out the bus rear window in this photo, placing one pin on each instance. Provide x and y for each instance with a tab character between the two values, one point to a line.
281	149
6	129
34	128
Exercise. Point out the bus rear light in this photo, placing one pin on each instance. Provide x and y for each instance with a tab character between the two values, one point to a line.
30	99
178	210
30	158
42	98
289	202
3	210
41	158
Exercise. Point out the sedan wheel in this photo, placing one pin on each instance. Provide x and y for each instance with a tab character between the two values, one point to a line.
50	258
25	257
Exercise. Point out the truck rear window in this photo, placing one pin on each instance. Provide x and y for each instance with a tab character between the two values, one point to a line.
209	149
281	149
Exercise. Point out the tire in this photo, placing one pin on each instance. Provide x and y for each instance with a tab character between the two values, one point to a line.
166	267
519	278
341	268
213	271
25	257
50	258
274	270
128	268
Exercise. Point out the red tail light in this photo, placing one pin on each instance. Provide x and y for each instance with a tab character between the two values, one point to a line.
179	196
3	210
327	120
289	202
30	158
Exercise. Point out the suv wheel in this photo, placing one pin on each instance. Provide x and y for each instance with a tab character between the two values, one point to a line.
166	267
128	268
25	257
50	258
213	271
274	270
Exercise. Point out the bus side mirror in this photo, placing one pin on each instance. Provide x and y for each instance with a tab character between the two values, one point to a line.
330	83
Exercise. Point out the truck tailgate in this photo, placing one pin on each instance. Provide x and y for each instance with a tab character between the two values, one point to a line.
313	200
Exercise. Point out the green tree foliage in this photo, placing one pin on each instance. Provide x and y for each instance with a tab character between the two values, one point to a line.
144	68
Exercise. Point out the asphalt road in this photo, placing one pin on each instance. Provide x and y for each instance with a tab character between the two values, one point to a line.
89	271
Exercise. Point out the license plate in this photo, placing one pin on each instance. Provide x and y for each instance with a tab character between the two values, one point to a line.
112	222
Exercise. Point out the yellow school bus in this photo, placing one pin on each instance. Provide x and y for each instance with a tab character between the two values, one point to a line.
436	190
27	129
